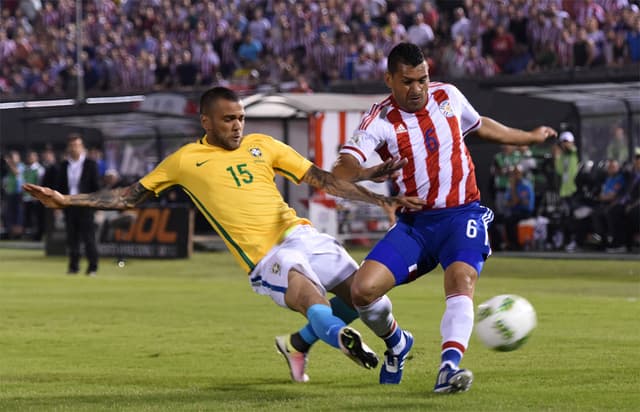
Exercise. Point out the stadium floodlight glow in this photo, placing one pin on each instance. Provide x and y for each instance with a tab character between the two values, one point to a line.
50	103
11	105
115	99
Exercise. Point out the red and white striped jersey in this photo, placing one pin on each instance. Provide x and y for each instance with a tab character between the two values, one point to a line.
440	168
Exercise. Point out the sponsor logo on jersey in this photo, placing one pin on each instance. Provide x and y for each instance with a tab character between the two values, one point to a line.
446	109
198	164
400	129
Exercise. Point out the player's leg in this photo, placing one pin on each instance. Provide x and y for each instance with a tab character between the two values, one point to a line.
392	261
462	256
303	296
456	327
341	307
301	256
295	347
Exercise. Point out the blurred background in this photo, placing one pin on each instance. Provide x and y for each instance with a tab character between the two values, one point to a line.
127	75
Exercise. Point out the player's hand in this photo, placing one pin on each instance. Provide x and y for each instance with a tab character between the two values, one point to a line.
409	202
542	133
49	197
389	169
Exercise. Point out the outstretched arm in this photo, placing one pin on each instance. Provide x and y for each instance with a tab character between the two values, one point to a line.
497	132
347	167
326	181
120	198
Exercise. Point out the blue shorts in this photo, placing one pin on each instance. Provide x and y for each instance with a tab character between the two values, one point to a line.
419	241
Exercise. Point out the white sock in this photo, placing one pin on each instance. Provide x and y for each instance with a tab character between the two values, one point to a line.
378	317
457	321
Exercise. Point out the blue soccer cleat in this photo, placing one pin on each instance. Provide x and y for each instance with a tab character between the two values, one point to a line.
453	380
391	371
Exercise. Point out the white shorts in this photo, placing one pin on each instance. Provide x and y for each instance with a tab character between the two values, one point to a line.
316	255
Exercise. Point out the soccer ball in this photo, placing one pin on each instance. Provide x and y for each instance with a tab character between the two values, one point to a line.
505	322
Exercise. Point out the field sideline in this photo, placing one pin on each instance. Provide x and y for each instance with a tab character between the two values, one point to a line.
191	335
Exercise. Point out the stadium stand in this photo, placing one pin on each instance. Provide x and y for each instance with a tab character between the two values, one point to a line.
145	45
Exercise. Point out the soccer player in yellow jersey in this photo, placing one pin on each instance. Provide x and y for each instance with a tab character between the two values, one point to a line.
230	178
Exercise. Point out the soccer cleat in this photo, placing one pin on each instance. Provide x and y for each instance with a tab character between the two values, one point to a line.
297	361
352	345
453	380
391	371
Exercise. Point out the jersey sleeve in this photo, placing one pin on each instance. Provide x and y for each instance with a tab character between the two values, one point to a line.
369	135
164	175
469	117
288	162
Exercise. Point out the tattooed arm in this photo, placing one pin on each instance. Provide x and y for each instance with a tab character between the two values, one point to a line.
321	179
120	198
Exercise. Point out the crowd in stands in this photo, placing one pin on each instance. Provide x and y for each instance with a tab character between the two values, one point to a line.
145	45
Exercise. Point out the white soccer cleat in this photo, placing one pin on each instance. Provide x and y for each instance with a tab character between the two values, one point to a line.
297	361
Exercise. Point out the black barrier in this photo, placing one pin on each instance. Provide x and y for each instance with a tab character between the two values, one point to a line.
147	232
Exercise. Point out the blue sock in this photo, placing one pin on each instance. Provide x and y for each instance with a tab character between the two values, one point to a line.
394	338
324	324
451	357
340	309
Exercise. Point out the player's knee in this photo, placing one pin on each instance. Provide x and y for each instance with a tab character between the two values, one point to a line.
364	293
460	278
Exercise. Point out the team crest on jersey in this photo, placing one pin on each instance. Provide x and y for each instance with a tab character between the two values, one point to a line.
354	140
445	109
275	269
255	152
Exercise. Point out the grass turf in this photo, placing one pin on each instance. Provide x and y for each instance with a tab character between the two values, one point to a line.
191	335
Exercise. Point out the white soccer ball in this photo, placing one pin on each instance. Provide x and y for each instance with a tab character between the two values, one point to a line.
505	322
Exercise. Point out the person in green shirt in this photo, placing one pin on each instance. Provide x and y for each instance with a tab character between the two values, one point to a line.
618	148
565	156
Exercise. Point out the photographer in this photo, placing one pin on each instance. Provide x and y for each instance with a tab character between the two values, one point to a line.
565	155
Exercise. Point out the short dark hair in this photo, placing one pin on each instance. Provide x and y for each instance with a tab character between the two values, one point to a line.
212	95
404	53
74	136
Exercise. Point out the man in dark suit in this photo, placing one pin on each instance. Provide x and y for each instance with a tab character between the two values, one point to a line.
79	174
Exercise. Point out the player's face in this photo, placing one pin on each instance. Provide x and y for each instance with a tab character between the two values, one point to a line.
224	122
409	86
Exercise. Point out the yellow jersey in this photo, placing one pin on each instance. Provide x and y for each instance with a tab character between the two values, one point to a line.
235	190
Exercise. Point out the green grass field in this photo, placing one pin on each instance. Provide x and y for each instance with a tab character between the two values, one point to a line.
192	335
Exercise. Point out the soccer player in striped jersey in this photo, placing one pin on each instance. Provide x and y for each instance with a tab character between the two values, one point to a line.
422	125
230	178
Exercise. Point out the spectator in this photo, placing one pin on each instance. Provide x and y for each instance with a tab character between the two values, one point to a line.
520	200
12	185
583	49
605	231
502	47
461	25
420	33
186	70
33	173
79	174
633	41
565	156
618	146
250	49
